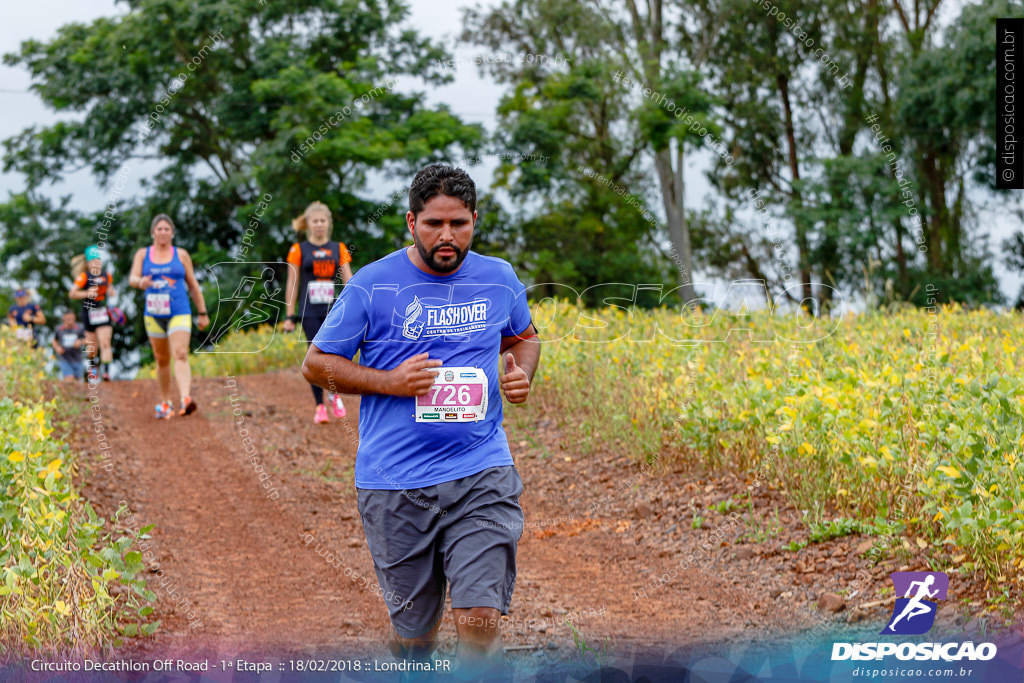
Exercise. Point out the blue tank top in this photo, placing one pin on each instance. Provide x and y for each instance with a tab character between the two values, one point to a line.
168	296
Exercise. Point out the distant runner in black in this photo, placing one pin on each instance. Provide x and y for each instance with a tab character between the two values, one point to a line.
93	286
318	262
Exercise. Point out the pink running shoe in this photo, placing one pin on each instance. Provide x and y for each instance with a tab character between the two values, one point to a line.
339	407
321	414
188	406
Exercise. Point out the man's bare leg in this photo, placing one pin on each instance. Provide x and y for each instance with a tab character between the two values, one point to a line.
419	648
479	630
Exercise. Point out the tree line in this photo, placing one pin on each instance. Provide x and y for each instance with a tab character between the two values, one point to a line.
848	144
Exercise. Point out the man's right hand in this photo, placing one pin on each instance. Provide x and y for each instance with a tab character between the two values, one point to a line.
413	377
289	326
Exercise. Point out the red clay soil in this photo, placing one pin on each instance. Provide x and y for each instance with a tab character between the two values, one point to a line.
598	533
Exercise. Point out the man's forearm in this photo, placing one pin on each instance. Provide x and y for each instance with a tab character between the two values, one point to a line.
342	376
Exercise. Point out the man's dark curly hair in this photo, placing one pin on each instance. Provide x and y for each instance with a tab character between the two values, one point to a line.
441	179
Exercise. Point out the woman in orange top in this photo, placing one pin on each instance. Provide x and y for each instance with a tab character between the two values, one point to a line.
316	263
92	287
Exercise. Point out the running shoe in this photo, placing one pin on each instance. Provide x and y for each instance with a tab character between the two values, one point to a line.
92	377
339	407
106	376
188	406
321	414
163	410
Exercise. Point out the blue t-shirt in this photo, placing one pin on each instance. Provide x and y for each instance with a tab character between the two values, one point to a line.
390	311
18	312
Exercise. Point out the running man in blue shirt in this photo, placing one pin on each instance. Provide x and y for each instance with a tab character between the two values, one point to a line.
438	492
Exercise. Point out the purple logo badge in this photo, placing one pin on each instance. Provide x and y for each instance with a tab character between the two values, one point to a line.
916	595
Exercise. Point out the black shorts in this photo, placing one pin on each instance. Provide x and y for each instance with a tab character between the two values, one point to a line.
465	532
90	327
311	324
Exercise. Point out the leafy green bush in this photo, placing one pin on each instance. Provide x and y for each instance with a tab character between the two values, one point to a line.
57	561
837	528
911	417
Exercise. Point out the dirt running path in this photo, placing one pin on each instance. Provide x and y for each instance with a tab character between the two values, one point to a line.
597	531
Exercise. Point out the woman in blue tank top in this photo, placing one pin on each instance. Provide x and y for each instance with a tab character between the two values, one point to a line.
166	275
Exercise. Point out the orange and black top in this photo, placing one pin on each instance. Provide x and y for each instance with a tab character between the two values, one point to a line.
101	282
317	263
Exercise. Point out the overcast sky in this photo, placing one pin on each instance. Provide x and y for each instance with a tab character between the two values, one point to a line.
470	96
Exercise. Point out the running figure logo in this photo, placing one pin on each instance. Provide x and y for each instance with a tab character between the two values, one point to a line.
914	613
159	283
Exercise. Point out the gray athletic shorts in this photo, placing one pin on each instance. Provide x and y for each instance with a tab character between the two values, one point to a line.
465	532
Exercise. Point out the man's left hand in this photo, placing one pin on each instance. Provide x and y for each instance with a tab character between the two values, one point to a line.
515	384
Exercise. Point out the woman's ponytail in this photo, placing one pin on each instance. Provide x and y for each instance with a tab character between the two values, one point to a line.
77	266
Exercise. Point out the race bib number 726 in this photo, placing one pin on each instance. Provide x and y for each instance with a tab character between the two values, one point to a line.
457	395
